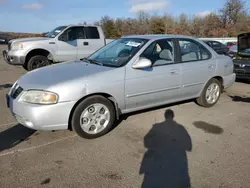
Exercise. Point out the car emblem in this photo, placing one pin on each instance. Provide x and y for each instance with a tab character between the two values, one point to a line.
242	65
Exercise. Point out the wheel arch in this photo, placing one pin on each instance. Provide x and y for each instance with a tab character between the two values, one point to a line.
106	95
219	78
37	51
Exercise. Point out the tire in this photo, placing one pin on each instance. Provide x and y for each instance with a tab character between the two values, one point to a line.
82	117
203	101
36	62
25	66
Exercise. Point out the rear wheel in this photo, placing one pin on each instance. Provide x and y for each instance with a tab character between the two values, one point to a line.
210	94
37	61
93	117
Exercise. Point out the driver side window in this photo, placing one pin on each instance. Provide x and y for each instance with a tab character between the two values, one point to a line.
160	52
73	33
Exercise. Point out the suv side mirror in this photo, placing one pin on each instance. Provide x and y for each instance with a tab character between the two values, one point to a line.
142	63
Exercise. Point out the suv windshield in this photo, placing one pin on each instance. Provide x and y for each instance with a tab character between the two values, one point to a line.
118	52
55	32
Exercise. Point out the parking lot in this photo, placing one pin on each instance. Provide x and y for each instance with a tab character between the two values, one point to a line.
172	146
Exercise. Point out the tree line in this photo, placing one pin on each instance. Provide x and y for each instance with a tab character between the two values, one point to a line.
232	19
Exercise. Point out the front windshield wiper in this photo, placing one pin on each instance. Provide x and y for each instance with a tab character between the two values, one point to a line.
91	61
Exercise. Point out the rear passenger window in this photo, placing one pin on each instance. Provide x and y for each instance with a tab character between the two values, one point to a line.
192	51
92	33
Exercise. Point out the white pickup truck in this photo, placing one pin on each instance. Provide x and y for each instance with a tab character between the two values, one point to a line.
64	43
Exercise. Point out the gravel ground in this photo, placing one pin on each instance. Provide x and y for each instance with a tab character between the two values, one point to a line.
191	146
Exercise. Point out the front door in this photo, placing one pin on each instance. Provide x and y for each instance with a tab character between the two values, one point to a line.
155	85
90	43
67	44
197	67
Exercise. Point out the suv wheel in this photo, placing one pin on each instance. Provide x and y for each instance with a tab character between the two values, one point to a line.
93	117
210	94
36	62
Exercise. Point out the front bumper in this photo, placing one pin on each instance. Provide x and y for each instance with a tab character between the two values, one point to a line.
40	117
242	74
13	58
229	80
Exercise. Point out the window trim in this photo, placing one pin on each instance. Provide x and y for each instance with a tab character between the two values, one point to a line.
174	47
196	42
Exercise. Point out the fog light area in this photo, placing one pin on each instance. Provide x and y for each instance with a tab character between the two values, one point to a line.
23	121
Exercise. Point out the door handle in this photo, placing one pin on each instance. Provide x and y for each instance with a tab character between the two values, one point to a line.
211	66
174	72
85	43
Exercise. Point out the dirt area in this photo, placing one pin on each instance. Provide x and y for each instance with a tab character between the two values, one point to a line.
173	146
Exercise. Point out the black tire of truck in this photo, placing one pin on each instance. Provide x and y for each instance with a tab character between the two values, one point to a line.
36	62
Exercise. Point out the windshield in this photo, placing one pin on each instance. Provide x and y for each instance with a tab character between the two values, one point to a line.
118	52
55	32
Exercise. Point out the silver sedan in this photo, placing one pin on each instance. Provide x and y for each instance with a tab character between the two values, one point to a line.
129	74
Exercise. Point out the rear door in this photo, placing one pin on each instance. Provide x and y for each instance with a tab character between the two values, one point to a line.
91	42
197	67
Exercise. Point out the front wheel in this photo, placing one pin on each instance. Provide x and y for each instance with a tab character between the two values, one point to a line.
37	61
93	117
210	94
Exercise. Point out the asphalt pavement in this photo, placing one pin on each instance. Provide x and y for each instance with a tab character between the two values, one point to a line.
178	145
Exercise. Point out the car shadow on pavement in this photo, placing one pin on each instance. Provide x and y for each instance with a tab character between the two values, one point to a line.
124	117
5	86
165	163
240	99
14	136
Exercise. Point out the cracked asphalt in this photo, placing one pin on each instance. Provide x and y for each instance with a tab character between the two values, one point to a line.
179	145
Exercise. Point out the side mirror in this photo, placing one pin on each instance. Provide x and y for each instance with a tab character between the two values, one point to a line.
142	63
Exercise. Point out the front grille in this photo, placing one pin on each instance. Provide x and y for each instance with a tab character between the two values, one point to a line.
242	74
16	91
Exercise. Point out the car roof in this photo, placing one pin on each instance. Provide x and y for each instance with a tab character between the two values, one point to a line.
80	25
157	36
205	40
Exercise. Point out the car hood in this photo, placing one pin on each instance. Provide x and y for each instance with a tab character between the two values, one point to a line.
59	74
29	39
245	61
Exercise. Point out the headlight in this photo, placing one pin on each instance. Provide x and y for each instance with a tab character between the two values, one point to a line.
17	46
39	97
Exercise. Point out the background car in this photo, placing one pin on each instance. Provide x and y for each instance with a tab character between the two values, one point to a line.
230	44
233	51
3	40
242	58
217	46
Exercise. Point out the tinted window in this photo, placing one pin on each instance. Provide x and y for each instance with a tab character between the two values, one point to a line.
73	33
160	52
92	33
192	51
